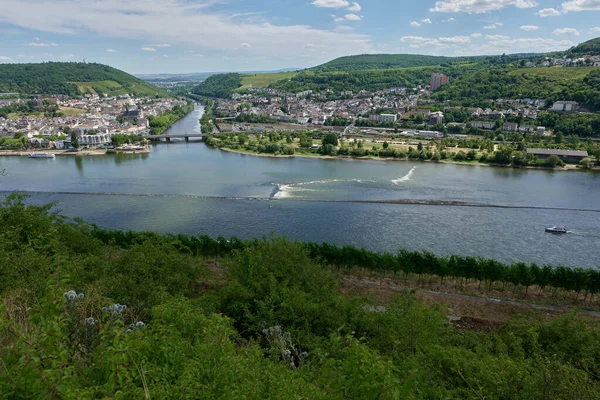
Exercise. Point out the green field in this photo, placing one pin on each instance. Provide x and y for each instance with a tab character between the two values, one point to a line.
264	80
557	73
113	88
72	111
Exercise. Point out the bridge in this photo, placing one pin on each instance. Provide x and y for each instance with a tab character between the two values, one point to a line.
186	136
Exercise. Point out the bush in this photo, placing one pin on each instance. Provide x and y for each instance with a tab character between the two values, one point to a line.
553	162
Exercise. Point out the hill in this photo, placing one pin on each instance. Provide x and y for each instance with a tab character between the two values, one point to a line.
591	47
580	84
382	61
73	79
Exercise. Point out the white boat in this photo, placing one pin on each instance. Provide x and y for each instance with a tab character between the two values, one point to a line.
42	155
557	229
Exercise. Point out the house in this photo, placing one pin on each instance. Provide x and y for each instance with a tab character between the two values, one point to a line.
483	124
571	156
541	130
527	129
565	106
510	127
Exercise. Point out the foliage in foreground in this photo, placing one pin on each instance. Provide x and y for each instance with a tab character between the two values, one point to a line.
275	326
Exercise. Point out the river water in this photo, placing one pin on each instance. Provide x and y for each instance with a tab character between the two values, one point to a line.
190	188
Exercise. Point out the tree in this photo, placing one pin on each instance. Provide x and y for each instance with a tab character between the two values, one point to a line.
74	140
386	145
553	162
587	163
330	138
420	146
559	137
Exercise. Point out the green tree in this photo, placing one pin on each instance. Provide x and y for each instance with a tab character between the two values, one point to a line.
330	138
386	145
74	140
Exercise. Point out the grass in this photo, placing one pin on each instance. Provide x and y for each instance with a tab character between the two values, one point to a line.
68	111
264	80
29	115
557	73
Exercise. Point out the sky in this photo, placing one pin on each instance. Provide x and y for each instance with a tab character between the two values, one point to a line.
184	36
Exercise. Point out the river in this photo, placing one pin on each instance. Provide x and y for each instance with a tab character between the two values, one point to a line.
190	188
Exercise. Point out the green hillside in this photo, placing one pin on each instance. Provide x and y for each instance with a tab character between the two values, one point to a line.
382	61
220	85
581	84
591	47
72	79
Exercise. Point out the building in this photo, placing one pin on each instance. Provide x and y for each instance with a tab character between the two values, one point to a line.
570	156
437	80
565	106
527	129
510	127
436	118
388	118
484	124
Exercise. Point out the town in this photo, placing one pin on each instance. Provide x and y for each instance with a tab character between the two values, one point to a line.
93	119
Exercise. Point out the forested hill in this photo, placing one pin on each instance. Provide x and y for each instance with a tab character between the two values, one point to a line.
591	47
382	61
72	79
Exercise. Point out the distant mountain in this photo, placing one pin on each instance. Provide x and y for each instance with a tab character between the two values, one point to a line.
383	61
72	79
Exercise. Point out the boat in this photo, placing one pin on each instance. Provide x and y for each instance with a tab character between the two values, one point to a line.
557	229
42	155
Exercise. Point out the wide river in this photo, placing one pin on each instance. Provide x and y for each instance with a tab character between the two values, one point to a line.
190	188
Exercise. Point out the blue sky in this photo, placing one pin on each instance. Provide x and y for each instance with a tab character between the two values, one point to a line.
178	36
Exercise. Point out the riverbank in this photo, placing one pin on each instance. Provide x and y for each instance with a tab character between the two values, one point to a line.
567	167
81	153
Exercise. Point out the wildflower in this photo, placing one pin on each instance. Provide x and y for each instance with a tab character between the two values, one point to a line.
139	325
90	321
104	309
80	296
71	297
128	331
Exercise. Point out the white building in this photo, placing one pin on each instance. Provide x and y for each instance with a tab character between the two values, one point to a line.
565	106
388	118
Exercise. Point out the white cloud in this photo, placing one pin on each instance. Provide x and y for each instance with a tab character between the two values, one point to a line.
581	5
566	32
548	12
148	49
529	28
476	35
414	23
164	56
330	3
451	19
595	29
479	6
525	45
419	41
4	58
355	7
38	39
67	57
426	21
247	45
39	44
352	17
496	37
178	22
111	51
159	45
494	25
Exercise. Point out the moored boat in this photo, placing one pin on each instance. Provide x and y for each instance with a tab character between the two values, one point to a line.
41	155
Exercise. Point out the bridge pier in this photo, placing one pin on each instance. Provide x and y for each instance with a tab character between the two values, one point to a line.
168	139
187	138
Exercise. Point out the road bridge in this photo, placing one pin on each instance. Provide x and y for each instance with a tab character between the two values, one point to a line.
186	136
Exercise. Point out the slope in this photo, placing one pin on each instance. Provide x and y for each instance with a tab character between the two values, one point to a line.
382	61
72	79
